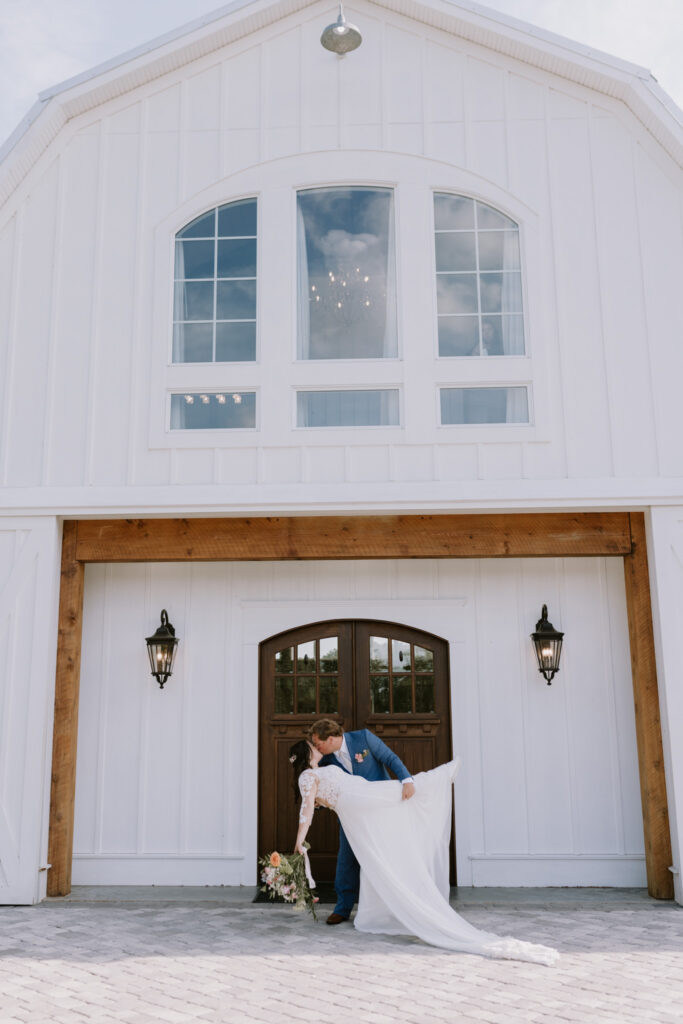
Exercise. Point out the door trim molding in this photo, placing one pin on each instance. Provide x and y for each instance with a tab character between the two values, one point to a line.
615	534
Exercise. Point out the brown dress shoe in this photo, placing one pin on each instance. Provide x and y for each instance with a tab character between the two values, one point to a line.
336	919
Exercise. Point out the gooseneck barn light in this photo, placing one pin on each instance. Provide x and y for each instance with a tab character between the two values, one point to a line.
341	36
161	648
548	645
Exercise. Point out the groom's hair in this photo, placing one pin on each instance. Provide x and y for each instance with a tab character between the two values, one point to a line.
324	728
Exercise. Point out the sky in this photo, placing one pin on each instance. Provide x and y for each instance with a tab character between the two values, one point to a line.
43	42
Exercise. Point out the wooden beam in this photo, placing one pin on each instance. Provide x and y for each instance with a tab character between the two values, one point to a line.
63	783
339	537
648	724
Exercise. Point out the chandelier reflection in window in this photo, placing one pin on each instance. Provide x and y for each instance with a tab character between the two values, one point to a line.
346	296
346	265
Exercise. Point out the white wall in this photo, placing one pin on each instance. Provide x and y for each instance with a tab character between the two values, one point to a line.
665	545
85	253
29	573
167	780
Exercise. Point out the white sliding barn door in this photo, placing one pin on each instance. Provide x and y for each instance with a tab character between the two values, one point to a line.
166	788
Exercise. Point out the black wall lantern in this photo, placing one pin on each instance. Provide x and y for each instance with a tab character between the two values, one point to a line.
548	645
161	649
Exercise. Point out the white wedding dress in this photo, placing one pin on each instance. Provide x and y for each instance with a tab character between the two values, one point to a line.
402	848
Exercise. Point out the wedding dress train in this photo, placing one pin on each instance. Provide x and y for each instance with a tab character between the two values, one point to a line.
402	848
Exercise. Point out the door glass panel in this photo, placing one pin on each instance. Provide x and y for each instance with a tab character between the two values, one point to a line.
305	695
284	695
400	656
424	694
379	653
403	694
305	657
329	654
329	703
379	695
424	659
283	660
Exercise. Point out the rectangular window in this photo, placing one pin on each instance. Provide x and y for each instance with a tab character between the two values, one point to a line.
213	410
214	309
484	405
347	408
346	274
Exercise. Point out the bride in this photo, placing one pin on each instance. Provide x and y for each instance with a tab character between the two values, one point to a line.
402	848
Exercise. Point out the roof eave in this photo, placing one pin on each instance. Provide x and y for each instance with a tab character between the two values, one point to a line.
629	83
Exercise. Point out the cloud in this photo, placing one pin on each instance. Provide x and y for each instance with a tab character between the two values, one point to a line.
43	42
342	245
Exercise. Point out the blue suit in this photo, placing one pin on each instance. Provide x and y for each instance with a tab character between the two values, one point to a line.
370	758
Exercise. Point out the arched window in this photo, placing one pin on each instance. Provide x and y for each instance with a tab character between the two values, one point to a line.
478	279
214	308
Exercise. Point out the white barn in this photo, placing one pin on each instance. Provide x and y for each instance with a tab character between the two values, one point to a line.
351	365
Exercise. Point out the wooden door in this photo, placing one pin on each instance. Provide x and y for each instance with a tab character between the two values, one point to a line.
382	676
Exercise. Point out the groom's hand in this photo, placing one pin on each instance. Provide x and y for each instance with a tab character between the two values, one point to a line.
408	790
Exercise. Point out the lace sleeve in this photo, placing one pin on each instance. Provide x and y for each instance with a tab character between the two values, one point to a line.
308	787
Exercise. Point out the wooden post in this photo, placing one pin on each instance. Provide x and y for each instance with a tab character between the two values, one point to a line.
484	536
648	724
63	785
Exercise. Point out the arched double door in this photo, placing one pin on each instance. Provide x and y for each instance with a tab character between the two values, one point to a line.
382	676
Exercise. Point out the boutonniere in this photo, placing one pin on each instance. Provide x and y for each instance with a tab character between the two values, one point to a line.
360	757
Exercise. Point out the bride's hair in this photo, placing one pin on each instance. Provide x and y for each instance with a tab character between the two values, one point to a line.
300	759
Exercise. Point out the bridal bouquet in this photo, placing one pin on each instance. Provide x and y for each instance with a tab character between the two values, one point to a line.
285	877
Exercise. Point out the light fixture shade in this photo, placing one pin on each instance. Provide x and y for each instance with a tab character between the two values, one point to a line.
548	646
341	36
161	648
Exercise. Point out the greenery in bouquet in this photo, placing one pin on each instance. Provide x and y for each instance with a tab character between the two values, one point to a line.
284	876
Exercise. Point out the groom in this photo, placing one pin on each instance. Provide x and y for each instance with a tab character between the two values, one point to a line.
359	753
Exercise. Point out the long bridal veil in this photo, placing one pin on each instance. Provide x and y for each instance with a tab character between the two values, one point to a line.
403	855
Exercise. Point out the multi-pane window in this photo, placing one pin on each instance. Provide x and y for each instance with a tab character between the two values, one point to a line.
346	274
484	405
214	309
478	279
346	303
306	678
401	677
209	410
347	408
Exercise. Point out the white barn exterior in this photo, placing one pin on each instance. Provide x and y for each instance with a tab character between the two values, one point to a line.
579	156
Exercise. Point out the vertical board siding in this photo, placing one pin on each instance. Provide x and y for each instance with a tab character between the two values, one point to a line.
73	343
29	342
578	300
113	322
665	555
548	761
28	620
8	261
660	220
78	347
503	728
550	778
634	440
485	121
359	89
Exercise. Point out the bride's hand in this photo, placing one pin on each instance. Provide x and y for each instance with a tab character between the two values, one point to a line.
299	849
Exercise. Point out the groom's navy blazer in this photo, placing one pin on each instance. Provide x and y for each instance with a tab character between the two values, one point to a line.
370	757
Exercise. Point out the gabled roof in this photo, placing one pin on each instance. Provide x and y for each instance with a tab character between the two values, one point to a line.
633	85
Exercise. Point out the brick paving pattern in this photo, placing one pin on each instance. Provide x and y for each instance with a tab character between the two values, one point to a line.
163	961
